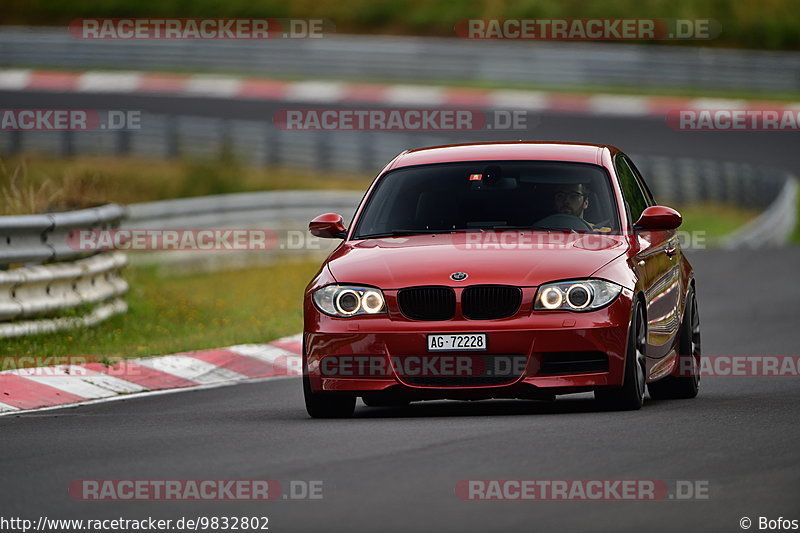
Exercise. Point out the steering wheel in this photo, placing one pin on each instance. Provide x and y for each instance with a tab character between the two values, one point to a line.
606	222
563	220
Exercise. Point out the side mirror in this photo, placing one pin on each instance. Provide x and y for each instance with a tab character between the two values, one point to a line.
659	217
328	226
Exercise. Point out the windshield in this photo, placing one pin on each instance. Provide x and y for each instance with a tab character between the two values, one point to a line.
490	195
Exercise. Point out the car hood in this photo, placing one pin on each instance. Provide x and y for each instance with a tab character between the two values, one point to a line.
518	258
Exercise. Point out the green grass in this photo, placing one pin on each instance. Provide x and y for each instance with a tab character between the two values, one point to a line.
772	24
35	184
168	315
714	220
795	238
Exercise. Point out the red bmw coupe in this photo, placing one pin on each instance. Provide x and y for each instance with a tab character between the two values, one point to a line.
502	270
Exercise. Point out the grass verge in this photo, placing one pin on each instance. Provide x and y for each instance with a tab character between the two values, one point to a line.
37	184
169	315
715	220
795	238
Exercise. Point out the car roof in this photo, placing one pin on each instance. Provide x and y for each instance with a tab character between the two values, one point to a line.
514	150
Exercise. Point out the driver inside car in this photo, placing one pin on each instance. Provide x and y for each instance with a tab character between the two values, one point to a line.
573	199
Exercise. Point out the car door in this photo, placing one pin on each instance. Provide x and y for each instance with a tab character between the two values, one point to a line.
656	263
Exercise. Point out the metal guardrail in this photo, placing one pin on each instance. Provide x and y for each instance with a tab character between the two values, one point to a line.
34	291
42	288
43	238
241	209
685	181
418	58
281	211
774	226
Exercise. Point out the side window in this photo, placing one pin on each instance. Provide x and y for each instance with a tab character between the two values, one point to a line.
642	183
634	197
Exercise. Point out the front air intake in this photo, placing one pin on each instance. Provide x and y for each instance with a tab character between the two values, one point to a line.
486	302
555	363
427	303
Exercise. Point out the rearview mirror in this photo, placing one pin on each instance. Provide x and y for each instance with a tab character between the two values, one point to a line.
328	226
659	217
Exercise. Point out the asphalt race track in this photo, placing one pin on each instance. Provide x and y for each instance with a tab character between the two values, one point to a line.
396	469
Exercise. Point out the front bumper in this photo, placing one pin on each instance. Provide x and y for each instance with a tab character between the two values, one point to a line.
544	342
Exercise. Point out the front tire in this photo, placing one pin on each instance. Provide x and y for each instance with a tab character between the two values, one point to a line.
630	396
683	386
327	405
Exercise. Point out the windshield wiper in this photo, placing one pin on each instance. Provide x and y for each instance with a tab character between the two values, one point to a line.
509	227
549	228
531	228
400	233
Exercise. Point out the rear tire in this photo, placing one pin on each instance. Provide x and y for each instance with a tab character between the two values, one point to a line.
683	387
327	405
630	396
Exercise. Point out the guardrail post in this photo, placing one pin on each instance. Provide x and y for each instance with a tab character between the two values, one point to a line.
272	145
68	144
366	147
15	142
172	136
123	142
225	146
322	148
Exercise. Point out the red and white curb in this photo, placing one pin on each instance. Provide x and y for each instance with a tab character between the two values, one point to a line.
54	386
335	92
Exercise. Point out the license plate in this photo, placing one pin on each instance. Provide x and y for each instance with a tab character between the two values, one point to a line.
457	342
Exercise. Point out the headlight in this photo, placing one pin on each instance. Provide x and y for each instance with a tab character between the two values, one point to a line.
579	295
349	300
